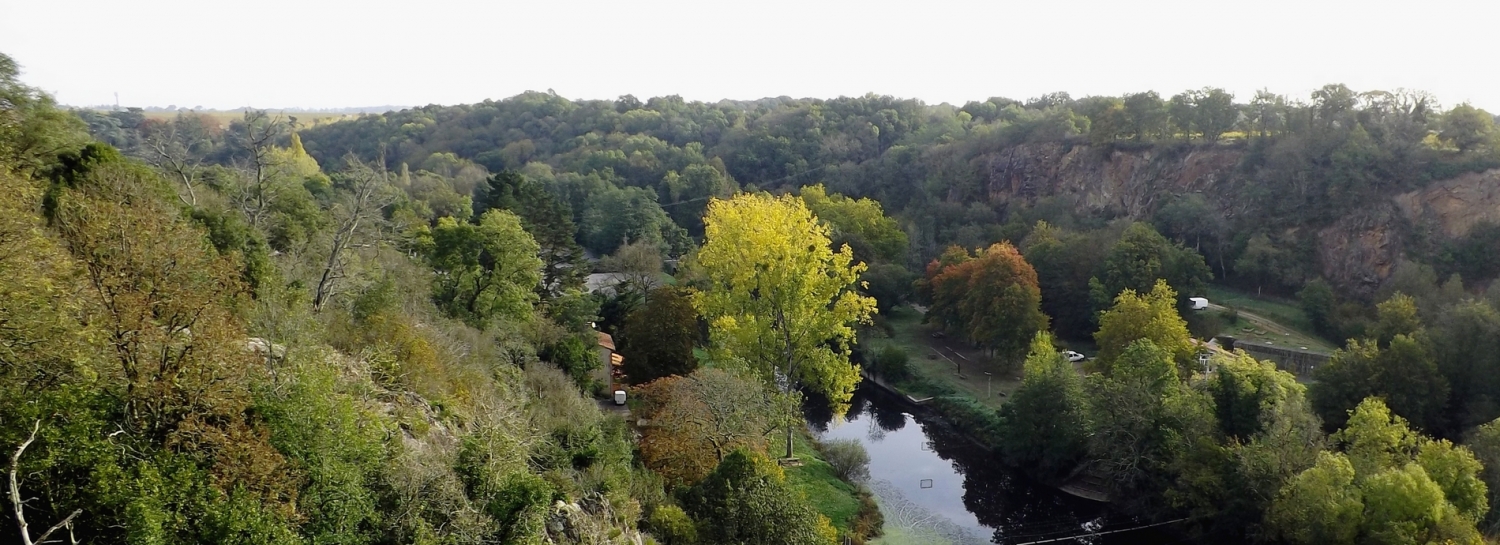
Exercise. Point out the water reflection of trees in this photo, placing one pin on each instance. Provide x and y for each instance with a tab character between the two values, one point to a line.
1018	509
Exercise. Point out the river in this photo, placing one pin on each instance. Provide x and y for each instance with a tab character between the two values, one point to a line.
935	486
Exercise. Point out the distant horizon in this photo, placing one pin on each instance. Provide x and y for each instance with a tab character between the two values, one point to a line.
328	54
1238	99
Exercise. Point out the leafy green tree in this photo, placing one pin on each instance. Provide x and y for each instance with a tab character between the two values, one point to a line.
1264	262
1145	115
33	129
747	500
618	216
1397	365
1149	316
1485	444
549	222
687	194
658	338
1045	423
338	445
1141	417
889	284
1108	120
1456	470
1466	347
1396	316
1405	488
1064	263
1190	217
860	223
1318	301
1404	373
1215	112
778	298
1321	505
1267	435
1141	258
487	271
1246	390
1469	128
1183	114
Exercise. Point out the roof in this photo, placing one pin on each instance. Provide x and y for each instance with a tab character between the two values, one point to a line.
606	341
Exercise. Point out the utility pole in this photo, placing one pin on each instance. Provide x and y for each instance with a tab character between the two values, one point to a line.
988	392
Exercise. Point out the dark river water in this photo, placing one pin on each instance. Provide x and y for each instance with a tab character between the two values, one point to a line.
936	486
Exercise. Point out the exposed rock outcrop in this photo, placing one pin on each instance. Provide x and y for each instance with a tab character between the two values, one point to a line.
1355	252
1126	183
1454	206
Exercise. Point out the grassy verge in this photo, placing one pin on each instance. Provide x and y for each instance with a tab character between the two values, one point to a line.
1296	329
835	499
944	367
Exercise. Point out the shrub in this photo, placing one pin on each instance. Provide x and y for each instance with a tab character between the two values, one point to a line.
969	416
672	526
893	363
868	523
848	458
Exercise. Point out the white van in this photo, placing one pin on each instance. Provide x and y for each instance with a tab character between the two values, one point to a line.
1199	303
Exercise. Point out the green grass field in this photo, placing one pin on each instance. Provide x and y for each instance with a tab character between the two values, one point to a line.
933	362
1288	327
834	498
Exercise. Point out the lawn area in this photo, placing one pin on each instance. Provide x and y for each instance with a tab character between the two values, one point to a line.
935	360
834	498
1283	322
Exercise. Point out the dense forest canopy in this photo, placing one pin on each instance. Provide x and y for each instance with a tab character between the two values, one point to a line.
384	329
1295	164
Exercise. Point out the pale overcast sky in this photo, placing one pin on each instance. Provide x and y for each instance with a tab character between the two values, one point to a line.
311	53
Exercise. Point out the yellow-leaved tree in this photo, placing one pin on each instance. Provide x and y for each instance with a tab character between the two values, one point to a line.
778	298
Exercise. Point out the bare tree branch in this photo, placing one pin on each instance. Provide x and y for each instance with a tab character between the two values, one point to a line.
367	195
19	505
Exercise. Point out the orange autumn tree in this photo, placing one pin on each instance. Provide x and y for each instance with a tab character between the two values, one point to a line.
693	422
990	298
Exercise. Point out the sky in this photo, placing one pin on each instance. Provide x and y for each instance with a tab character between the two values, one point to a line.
323	54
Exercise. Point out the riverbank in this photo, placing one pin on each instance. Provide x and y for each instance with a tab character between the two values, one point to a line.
844	503
936	485
939	366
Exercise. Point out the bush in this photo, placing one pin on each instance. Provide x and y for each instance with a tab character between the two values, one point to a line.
969	416
848	458
893	363
672	526
868	523
1204	325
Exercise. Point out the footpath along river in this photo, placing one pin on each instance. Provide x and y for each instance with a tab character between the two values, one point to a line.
935	486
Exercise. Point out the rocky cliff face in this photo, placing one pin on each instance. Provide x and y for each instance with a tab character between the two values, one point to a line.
1356	252
1116	182
1452	207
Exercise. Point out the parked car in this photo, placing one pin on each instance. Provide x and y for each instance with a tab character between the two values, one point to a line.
1074	356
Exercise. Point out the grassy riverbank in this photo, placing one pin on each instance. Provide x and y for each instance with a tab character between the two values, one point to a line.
941	366
836	499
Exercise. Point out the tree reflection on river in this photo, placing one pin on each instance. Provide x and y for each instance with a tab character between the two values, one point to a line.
936	486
